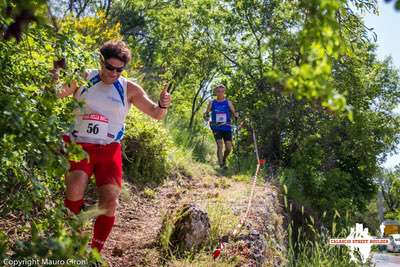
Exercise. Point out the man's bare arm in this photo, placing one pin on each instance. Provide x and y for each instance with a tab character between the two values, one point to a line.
207	113
138	97
232	109
209	107
66	90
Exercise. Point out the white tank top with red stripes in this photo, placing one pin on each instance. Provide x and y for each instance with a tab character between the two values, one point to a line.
101	119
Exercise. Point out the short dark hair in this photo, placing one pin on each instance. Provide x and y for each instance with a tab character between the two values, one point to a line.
116	49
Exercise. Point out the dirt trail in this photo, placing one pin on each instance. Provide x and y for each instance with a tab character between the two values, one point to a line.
134	239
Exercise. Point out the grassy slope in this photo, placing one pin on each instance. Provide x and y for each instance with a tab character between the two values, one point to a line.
135	238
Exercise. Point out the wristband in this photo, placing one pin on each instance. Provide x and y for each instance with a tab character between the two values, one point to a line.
161	106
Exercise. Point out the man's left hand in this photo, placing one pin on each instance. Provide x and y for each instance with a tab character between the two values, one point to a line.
165	97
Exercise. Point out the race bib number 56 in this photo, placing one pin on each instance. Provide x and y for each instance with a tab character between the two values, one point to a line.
93	125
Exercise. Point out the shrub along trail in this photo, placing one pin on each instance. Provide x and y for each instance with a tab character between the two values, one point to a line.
134	240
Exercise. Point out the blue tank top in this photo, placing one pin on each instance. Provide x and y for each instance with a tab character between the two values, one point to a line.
220	116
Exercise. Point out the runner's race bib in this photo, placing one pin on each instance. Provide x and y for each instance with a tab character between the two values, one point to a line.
93	126
220	118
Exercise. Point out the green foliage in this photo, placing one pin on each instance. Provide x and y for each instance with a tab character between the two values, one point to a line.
304	72
198	141
3	245
167	229
369	218
149	193
55	238
327	160
222	220
92	31
170	43
32	120
320	41
389	184
17	15
308	241
146	147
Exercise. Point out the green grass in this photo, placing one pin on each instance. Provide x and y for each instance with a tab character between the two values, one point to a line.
200	143
149	193
316	251
241	178
222	220
167	229
204	259
319	253
222	182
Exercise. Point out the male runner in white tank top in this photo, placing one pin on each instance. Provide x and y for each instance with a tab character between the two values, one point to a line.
99	128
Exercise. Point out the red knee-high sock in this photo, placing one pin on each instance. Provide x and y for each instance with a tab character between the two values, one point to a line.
102	228
74	206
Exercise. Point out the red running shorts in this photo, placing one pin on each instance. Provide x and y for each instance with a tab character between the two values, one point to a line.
105	161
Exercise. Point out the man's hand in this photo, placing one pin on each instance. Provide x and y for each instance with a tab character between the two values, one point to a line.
236	114
206	117
138	97
57	65
165	97
60	63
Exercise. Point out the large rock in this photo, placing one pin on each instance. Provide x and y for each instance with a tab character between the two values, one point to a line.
191	230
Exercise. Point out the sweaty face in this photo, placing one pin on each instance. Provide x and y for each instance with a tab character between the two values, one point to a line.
220	92
111	69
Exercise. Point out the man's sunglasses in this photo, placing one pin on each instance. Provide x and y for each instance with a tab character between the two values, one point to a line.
112	68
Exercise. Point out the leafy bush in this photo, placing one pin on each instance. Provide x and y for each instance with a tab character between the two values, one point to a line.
31	121
146	147
53	238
